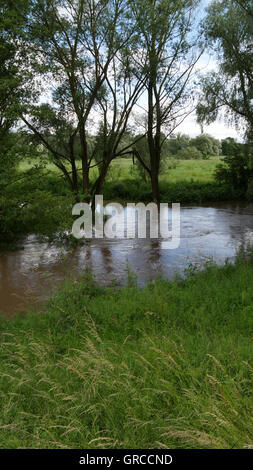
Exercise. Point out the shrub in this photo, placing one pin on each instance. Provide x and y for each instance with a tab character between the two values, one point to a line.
189	153
236	169
250	190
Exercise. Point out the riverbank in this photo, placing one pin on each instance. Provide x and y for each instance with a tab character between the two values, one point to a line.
208	231
165	366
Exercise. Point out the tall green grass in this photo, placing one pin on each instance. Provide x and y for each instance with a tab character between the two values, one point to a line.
122	168
191	181
165	366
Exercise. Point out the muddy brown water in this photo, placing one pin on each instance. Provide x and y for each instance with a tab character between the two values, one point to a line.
215	231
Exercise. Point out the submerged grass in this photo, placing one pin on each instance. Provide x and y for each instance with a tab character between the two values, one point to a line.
170	365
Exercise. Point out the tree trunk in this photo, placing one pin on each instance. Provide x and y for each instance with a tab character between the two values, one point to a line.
85	162
75	181
155	181
154	147
99	182
73	168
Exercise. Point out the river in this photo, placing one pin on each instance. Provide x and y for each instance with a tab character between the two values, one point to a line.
215	231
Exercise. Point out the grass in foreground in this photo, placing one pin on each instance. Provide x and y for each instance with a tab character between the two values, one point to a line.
167	366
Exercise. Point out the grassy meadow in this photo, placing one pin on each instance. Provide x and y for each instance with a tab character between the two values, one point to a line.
185	170
169	366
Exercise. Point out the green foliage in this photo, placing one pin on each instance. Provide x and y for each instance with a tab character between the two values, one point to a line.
229	146
142	149
189	153
229	32
207	145
14	72
34	201
164	51
165	366
176	143
9	175
249	194
77	83
236	169
184	147
184	192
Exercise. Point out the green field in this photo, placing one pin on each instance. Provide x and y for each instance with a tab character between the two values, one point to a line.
192	170
170	366
186	170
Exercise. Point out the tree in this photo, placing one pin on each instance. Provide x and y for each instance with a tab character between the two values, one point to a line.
228	146
236	167
229	30
246	5
13	82
188	153
176	143
13	70
141	152
123	88
169	59
207	145
72	44
14	92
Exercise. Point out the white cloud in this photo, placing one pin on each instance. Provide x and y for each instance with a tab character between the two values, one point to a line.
218	129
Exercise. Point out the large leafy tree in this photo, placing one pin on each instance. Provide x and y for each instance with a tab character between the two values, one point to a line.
229	91
73	44
207	145
14	75
13	71
169	58
14	93
123	88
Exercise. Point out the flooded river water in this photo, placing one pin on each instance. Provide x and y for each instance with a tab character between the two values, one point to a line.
217	231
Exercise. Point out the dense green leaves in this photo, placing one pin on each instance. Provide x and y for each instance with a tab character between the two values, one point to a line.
229	31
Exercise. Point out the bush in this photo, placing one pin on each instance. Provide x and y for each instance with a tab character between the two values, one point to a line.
236	169
183	192
169	164
249	194
207	145
189	153
35	202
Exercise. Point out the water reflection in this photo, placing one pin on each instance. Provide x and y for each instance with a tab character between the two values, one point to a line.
215	231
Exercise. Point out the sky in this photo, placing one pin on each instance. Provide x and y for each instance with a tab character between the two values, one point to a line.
218	129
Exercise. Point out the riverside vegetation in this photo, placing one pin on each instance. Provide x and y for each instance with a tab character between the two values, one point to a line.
167	366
